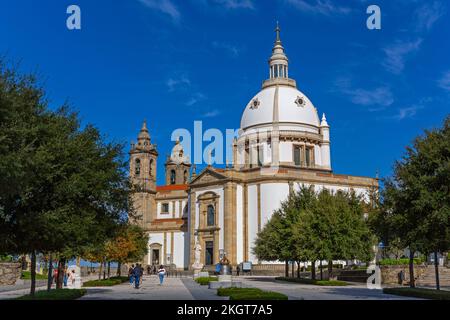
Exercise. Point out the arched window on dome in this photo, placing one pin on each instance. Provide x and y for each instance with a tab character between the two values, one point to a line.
172	176
150	168
137	167
210	215
185	176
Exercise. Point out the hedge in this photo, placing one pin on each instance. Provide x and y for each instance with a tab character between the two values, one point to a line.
419	293
334	283
398	262
105	283
55	294
250	294
205	280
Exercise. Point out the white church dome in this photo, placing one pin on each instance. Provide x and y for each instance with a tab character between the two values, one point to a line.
279	100
281	103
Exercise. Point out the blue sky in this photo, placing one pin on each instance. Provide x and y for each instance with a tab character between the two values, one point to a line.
173	62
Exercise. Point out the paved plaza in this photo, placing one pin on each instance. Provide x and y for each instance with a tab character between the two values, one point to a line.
187	289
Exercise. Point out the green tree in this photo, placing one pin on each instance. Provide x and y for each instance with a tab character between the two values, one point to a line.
67	188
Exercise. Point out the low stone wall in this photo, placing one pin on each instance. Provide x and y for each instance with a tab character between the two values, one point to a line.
389	274
9	273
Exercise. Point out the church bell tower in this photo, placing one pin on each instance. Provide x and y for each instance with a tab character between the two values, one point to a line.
143	157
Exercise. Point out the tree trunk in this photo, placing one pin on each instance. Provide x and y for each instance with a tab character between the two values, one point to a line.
313	270
100	271
286	269
109	268
412	282
50	273
61	271
293	268
119	266
33	273
436	270
104	269
57	280
330	269
298	269
78	262
321	270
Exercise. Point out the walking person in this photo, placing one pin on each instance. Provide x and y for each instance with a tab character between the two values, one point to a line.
141	274
66	277
130	274
238	269
161	273
154	269
137	276
148	270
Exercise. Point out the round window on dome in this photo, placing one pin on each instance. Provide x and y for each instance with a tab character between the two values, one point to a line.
300	101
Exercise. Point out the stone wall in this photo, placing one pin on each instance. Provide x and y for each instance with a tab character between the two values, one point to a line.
389	274
9	273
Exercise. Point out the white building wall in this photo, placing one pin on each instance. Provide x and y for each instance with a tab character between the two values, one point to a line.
286	152
272	194
252	219
318	155
179	258
239	224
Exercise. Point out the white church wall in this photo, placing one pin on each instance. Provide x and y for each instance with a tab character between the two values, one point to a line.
178	249
252	222
272	194
285	152
177	209
318	155
239	224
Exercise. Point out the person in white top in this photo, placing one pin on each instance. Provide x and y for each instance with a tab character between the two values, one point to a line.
161	274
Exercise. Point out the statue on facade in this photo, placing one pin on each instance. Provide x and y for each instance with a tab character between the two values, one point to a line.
197	254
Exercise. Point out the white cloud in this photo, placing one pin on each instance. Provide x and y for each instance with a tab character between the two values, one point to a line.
164	6
325	7
175	83
444	82
233	50
427	15
197	97
211	114
396	54
409	112
379	96
236	4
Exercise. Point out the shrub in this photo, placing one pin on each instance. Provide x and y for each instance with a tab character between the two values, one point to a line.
334	283
105	283
398	262
56	294
205	280
419	293
250	294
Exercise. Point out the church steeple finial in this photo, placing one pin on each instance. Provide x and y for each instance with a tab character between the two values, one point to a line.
278	62
277	30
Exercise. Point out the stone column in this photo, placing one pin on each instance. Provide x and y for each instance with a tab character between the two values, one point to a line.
230	221
192	210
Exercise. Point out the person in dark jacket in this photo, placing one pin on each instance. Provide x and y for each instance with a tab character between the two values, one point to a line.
137	272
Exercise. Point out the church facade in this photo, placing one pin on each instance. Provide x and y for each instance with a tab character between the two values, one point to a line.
282	145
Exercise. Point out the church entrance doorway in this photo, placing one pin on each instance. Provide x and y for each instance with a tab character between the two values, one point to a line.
209	252
155	256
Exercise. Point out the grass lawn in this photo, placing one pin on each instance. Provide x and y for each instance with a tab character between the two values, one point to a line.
250	294
26	275
205	280
105	283
56	294
419	293
333	283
